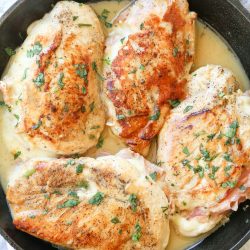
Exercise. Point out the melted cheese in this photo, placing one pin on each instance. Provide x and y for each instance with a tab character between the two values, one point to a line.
210	49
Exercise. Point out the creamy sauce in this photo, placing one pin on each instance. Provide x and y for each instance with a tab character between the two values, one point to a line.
210	49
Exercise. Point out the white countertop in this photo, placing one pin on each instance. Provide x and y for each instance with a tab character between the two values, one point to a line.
4	5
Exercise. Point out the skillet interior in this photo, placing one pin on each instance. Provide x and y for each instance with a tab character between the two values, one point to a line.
226	16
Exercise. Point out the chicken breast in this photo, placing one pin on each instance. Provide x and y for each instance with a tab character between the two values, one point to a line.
109	203
149	53
51	84
204	149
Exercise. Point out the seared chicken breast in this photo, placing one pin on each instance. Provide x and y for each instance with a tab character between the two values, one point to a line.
204	147
112	202
51	85
148	56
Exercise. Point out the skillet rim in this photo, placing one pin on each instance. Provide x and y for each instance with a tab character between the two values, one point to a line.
240	9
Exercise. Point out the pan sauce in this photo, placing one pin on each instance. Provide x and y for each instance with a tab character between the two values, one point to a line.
210	49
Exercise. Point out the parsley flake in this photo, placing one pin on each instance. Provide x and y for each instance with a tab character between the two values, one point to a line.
69	204
97	199
133	202
10	51
137	234
115	220
174	103
187	109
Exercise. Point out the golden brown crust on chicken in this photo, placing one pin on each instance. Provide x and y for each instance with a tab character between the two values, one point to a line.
58	101
53	200
205	156
150	61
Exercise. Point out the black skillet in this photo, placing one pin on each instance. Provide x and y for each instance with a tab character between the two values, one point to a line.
228	17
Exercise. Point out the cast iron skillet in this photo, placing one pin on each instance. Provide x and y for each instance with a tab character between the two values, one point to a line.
226	16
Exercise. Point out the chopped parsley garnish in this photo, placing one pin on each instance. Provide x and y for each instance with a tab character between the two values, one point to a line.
104	17
17	154
133	71
211	137
70	162
107	61
120	117
2	104
94	67
153	176
133	202
84	91
25	74
84	25
137	233
214	170
16	116
60	80
57	192
83	109
174	103
175	52
227	169
186	151
79	168
97	199
142	67
10	51
92	106
83	184
69	204
242	188
155	116
122	40
221	94
20	35
115	220
73	194
29	173
39	81
108	25
231	132
198	134
142	26
205	154
36	50
81	71
185	162
230	184
37	126
75	17
227	157
187	109
100	142
199	170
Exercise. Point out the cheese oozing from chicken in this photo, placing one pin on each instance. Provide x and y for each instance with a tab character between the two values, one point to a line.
204	149
149	53
111	202
51	84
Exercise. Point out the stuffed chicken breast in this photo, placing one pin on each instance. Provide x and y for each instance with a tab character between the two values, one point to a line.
149	53
204	148
51	84
112	202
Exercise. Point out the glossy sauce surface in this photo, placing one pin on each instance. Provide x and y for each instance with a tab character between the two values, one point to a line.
210	49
